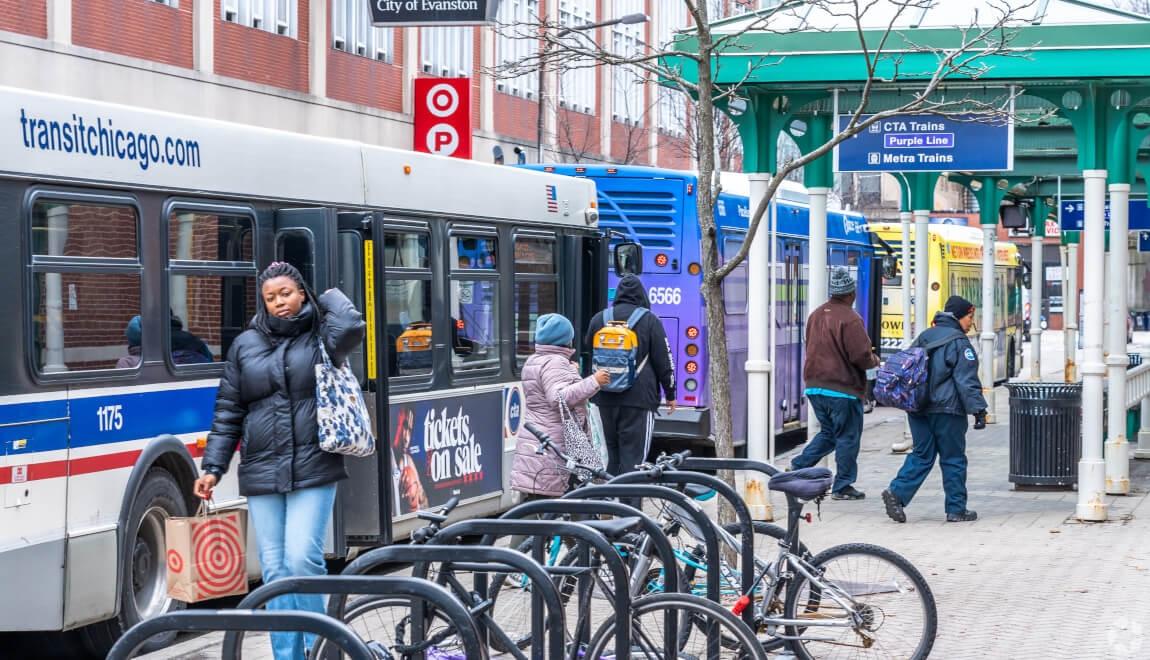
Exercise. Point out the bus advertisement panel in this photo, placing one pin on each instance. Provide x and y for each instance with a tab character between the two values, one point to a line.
445	448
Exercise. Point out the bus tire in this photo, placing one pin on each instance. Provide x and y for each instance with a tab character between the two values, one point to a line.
143	570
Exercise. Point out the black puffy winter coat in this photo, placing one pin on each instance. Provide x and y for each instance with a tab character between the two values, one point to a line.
266	402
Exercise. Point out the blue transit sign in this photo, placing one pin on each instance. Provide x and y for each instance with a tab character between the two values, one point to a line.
928	143
1144	241
1074	215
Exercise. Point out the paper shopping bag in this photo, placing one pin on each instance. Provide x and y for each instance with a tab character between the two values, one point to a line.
207	555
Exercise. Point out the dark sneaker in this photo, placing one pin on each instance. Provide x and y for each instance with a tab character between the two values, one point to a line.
965	516
848	493
894	508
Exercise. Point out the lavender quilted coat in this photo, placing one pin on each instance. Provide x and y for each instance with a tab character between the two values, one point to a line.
546	374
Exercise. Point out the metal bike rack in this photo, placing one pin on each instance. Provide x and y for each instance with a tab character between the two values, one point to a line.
480	558
414	588
747	554
492	529
662	546
337	632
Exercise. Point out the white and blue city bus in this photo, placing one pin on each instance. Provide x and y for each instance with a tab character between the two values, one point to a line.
132	240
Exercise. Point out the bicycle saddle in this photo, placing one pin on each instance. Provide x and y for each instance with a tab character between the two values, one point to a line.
805	484
613	529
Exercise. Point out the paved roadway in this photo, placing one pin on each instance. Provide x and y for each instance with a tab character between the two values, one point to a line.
1024	581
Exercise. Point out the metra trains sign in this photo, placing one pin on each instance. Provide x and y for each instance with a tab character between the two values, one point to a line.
432	12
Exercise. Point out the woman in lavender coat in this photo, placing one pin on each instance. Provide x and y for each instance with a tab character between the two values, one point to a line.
547	375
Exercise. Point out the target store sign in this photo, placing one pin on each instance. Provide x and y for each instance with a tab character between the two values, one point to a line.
443	116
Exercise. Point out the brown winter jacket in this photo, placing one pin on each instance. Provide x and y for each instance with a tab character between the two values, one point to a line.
548	375
838	350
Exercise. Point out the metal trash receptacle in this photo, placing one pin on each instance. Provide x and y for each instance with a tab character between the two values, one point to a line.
1045	433
1134	360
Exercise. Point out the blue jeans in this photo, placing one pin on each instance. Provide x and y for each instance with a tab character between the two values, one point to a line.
290	530
841	420
941	436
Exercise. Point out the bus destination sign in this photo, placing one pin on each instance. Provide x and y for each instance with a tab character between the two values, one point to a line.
390	13
927	143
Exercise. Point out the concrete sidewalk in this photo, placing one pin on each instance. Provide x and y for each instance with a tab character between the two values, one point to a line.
1024	581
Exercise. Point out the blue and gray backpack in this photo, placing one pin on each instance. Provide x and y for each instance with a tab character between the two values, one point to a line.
903	381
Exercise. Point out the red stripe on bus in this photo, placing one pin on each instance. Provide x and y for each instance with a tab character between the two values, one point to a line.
78	466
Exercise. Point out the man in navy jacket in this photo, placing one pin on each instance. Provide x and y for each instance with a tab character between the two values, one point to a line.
939	430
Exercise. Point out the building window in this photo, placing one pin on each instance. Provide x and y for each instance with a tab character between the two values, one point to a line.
211	283
170	3
352	31
672	103
628	83
577	81
85	294
275	16
447	51
516	43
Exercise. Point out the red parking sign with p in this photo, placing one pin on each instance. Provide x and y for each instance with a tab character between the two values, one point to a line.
443	116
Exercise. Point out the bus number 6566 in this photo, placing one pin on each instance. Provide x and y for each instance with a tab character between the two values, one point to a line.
665	295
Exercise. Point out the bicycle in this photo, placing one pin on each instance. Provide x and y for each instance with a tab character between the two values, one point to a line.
795	579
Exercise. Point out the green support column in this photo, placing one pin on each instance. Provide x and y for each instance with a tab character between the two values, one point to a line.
921	186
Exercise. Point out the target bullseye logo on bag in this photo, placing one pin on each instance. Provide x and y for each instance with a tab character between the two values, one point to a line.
442	120
207	555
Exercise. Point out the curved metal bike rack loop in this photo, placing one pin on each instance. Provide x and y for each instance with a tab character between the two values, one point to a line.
662	546
493	558
337	632
747	554
492	529
414	588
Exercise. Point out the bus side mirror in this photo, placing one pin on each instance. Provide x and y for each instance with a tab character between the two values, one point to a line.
628	259
889	267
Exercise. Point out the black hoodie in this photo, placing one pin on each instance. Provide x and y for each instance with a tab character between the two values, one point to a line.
659	373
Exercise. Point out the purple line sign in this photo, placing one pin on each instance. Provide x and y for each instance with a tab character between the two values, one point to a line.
919	140
928	143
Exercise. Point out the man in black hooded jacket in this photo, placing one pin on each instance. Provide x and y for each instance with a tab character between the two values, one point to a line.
628	417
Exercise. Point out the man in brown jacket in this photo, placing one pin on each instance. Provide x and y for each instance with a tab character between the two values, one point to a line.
839	352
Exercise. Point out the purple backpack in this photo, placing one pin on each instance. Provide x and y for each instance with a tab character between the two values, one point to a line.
903	381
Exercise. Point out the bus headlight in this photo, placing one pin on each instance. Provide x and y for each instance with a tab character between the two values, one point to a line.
591	216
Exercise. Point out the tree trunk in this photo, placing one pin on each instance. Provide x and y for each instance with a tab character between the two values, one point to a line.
718	374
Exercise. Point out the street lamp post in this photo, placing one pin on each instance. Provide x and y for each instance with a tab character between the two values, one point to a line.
545	56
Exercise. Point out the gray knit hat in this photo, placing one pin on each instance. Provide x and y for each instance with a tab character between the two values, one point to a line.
841	282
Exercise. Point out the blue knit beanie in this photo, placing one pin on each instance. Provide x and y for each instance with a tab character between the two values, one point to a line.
554	330
132	332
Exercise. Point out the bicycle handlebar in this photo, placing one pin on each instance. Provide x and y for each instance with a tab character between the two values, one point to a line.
423	534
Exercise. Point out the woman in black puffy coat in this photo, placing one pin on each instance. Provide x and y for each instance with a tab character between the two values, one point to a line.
266	407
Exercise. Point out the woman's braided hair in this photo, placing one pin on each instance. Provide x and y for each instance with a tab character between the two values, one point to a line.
283	269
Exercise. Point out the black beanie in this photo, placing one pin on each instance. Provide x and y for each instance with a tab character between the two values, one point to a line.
958	306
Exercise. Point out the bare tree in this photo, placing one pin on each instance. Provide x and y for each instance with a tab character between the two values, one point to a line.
988	35
1136	6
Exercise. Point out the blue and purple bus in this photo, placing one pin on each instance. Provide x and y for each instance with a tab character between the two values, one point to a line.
656	209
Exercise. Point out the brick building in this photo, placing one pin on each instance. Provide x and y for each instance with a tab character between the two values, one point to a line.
319	67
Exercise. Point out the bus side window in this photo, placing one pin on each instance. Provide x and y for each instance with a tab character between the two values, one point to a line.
473	291
297	247
212	281
536	289
86	284
735	284
407	288
350	282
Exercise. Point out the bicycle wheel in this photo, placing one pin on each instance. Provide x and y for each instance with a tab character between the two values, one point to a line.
385	624
649	632
510	594
893	613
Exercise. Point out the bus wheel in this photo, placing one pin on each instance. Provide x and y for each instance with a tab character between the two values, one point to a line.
143	572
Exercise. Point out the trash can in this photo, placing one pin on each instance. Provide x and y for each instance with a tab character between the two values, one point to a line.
1135	359
1045	433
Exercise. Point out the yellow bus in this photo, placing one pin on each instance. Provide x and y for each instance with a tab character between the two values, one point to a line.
956	269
